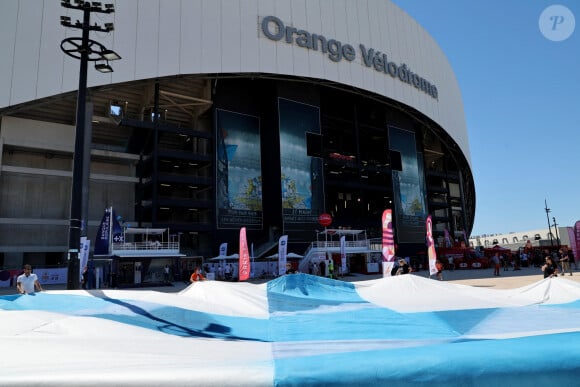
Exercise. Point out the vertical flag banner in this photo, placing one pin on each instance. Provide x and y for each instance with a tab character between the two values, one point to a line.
576	244
431	252
244	266
388	243
223	249
282	250
103	239
343	254
84	255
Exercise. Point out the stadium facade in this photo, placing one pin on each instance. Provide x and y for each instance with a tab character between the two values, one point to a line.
224	114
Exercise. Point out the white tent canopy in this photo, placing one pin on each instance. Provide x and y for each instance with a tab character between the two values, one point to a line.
289	255
232	257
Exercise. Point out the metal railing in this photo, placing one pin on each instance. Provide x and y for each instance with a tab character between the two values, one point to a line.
146	246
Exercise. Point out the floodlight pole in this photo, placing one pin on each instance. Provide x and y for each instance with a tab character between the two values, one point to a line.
76	221
87	50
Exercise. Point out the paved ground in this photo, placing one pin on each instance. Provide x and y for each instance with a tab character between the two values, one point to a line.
481	278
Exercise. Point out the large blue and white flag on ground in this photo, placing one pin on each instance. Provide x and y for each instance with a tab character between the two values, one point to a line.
299	330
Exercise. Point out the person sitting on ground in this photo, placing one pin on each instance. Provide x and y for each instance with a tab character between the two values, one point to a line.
196	276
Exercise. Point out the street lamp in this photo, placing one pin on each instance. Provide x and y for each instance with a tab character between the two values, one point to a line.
86	50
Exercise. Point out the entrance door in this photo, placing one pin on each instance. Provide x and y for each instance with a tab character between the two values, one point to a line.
126	273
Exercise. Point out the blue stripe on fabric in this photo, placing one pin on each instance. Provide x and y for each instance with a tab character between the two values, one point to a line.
547	360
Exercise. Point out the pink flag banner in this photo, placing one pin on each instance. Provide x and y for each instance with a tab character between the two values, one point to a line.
431	252
576	245
388	243
244	266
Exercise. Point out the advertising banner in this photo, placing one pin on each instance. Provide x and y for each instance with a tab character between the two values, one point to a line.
302	185
239	171
408	187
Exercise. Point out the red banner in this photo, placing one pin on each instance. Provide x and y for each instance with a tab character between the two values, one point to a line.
244	266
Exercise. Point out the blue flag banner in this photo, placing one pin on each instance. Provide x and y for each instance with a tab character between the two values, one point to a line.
103	239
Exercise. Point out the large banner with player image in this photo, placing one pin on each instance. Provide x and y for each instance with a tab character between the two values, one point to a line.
239	171
408	187
302	184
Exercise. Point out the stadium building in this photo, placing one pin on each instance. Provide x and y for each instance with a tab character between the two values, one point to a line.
224	114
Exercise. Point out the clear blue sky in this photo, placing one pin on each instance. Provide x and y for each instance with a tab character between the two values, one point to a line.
521	94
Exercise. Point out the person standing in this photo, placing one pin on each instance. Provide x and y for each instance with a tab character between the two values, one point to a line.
166	272
27	281
550	268
565	261
85	277
439	268
196	276
315	270
228	272
496	262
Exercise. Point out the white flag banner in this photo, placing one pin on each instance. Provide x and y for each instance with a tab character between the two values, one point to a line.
223	249
343	254
282	250
84	255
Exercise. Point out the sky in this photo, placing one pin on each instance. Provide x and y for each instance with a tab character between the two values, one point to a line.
521	93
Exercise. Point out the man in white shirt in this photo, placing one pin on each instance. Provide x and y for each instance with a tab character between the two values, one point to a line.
28	281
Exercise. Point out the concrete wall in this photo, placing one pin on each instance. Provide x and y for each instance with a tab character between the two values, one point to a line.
159	38
35	184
